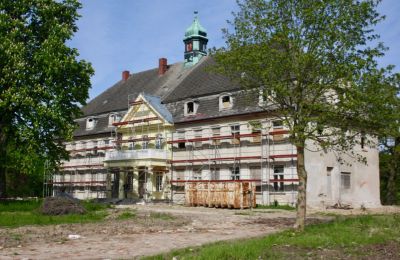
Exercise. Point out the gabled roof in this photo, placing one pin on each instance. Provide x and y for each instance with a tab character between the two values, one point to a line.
201	81
155	103
115	98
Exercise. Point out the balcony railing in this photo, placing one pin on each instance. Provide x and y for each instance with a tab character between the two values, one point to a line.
137	155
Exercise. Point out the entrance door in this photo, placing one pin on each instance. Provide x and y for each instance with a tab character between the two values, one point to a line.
114	184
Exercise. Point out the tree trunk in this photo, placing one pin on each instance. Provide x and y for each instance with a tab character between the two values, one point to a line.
3	158
302	190
3	193
394	168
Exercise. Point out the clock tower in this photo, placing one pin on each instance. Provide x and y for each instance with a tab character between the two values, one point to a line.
195	42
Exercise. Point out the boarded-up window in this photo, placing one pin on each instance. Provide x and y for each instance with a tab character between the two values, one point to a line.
255	172
345	180
179	175
197	134
215	174
216	132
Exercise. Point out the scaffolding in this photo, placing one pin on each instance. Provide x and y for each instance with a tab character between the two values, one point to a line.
84	175
230	149
140	135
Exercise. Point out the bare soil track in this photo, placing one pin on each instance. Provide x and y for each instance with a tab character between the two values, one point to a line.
151	231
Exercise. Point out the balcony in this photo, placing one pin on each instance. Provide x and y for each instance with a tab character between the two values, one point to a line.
137	155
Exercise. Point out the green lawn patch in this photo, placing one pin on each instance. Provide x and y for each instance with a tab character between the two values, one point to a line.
284	207
126	215
342	237
21	213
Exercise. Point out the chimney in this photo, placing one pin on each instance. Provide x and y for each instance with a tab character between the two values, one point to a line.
162	66
125	75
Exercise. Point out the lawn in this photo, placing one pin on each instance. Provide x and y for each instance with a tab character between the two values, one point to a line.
21	213
345	237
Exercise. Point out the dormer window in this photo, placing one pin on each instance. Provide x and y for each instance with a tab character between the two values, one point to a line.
90	123
113	118
277	124
191	108
225	102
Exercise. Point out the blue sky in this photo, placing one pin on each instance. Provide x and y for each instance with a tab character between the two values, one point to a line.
132	35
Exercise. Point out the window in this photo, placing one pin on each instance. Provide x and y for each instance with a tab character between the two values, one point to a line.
113	118
106	142
181	136
277	124
159	182
278	175
255	172
345	180
235	173
216	132
145	142
179	174
225	102
235	131
159	141
215	174
191	108
90	123
197	134
197	175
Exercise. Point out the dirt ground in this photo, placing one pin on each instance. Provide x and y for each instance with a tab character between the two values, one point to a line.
152	231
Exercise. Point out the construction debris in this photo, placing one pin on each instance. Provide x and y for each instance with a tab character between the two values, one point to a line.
61	206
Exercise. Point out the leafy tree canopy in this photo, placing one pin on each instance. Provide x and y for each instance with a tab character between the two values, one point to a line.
42	82
315	64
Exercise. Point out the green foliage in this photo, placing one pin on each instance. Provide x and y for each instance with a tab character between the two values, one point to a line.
344	233
19	205
314	62
42	83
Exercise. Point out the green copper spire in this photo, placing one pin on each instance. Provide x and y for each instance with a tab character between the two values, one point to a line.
195	29
195	42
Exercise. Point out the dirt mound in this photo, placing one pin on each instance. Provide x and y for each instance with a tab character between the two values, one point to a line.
61	206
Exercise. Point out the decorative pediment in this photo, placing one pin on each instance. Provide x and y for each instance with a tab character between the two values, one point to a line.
147	110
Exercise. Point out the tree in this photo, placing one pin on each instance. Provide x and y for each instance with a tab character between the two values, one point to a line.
314	64
390	154
42	83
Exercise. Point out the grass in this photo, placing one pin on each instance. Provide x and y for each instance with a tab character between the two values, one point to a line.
19	205
284	207
126	215
345	234
21	213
